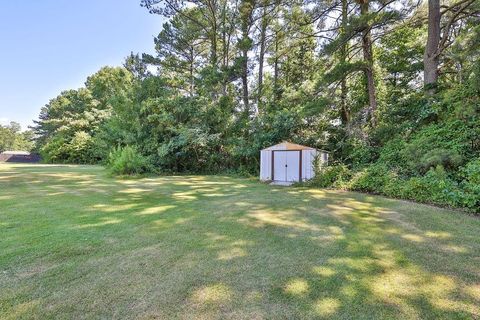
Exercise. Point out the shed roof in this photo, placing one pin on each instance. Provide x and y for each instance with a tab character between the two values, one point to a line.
285	145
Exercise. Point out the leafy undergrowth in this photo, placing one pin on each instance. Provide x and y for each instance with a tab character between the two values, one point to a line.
435	187
77	243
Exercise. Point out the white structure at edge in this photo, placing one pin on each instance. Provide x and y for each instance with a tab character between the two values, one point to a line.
290	162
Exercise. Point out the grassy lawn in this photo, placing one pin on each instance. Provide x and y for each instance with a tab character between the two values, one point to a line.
75	243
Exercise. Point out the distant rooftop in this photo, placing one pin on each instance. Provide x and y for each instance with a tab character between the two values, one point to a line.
16	153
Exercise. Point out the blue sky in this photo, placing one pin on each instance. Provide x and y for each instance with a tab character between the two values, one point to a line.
47	46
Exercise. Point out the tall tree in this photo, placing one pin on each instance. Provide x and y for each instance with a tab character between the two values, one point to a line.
181	51
68	124
368	59
261	55
207	16
137	66
351	29
440	35
244	46
431	57
344	110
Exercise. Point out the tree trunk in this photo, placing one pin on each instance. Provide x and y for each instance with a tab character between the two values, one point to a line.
224	47
275	72
261	57
430	58
214	57
368	59
192	79
344	112
214	33
246	10
245	82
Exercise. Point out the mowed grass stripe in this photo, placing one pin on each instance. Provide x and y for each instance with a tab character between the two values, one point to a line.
77	243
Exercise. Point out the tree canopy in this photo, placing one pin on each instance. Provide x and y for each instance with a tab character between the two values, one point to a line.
13	139
391	85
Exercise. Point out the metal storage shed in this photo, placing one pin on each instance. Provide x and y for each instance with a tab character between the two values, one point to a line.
289	162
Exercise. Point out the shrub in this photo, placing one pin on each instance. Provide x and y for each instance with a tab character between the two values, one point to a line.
448	144
434	187
127	161
394	187
331	176
80	148
362	154
372	179
393	155
471	185
471	172
440	157
55	150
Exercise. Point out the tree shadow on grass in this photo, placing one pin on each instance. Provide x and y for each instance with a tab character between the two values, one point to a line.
220	247
371	275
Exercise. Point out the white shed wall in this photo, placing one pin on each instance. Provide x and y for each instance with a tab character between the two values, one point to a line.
308	162
308	159
265	165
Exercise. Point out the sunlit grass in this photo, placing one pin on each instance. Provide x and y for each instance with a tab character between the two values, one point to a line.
78	244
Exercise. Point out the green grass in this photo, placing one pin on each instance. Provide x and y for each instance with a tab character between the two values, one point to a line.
75	243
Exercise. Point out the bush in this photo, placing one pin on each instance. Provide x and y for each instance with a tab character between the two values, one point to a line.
471	185
471	172
372	179
435	187
331	176
440	157
127	161
448	144
362	154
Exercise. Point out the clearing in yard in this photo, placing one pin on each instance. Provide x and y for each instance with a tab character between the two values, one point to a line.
78	244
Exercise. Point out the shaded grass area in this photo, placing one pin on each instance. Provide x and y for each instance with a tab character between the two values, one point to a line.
75	243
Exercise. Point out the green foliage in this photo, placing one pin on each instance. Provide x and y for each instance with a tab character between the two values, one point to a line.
372	179
331	176
209	109
127	161
80	147
440	157
400	53
471	184
471	172
13	139
449	143
435	187
361	153
69	123
64	149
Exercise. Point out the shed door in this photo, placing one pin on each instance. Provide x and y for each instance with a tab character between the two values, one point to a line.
286	166
293	166
280	166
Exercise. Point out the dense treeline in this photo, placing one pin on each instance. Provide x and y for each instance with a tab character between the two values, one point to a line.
390	87
12	138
